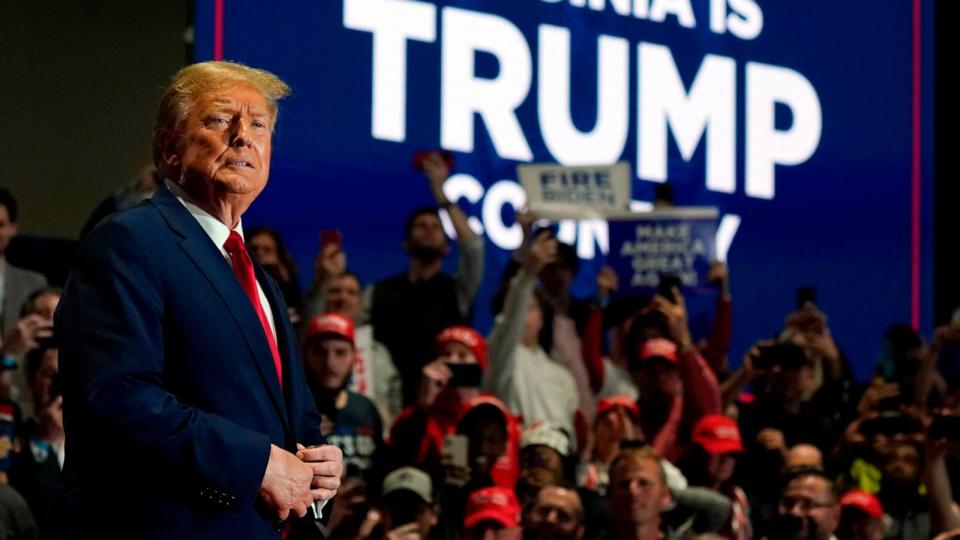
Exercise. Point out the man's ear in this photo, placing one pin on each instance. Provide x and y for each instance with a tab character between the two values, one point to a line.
169	154
666	498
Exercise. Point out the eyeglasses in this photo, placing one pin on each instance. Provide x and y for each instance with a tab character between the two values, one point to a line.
803	503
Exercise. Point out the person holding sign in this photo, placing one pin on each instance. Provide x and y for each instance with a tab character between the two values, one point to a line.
521	371
677	387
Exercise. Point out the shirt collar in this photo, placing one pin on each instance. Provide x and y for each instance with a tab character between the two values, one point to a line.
215	229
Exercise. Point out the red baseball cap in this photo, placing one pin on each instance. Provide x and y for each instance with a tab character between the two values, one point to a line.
659	348
492	504
867	502
610	403
469	338
717	434
330	324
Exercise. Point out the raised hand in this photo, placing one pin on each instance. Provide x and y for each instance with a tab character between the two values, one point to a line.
543	251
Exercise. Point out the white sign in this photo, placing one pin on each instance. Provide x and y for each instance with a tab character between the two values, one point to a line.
580	192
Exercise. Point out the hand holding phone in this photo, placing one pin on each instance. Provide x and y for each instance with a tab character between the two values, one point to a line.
454	451
465	375
454	459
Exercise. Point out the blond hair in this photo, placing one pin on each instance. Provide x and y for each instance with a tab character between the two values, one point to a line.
197	79
636	455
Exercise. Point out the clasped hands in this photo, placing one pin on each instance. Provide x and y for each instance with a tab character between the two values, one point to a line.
293	482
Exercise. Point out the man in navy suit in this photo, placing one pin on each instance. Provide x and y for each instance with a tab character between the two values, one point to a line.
186	410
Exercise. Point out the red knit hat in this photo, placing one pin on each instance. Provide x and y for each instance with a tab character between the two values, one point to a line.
469	338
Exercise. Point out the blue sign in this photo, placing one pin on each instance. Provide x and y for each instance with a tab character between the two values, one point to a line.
644	250
807	124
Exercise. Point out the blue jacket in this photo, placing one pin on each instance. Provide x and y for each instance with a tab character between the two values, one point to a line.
171	399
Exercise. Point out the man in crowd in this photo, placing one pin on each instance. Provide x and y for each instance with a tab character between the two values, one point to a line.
489	458
638	494
440	300
19	333
37	467
808	507
186	409
417	436
337	290
677	387
350	420
407	506
555	514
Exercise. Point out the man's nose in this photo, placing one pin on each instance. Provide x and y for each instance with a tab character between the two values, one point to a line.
239	133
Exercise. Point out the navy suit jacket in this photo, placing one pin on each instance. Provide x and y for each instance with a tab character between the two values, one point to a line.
171	398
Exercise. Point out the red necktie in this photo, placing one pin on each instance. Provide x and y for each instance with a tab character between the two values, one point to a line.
243	268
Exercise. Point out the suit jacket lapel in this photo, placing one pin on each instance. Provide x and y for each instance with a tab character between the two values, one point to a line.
211	263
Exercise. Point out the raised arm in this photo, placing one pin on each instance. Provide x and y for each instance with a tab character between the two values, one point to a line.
592	343
330	264
508	328
700	386
470	266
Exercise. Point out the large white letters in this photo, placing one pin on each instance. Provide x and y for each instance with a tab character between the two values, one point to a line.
767	146
708	108
605	142
392	24
463	94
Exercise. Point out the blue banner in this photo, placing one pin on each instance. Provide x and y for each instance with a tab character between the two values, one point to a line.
807	124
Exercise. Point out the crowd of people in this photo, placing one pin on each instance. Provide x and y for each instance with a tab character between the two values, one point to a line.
573	418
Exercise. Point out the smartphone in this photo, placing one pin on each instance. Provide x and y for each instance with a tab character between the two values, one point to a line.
421	155
465	375
767	357
667	283
806	295
330	237
945	427
889	424
455	450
